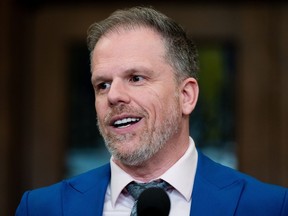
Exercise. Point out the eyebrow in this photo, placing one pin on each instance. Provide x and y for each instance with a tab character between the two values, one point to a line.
97	79
138	69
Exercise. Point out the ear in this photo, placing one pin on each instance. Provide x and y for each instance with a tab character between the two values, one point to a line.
189	95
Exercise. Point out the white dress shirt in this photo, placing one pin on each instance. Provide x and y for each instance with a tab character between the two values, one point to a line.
181	176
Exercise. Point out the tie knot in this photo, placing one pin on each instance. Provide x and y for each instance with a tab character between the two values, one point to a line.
135	189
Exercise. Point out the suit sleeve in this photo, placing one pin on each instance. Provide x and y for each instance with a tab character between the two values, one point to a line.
284	211
22	209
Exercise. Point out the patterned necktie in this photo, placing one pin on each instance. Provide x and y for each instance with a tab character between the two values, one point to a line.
135	189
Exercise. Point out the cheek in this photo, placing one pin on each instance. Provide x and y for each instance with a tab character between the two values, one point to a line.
100	109
100	102
156	105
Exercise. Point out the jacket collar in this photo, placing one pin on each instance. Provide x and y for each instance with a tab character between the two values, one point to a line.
217	189
85	194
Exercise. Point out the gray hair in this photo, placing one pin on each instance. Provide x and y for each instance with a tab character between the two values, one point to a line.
181	52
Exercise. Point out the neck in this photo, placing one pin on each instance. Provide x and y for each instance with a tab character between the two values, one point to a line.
159	163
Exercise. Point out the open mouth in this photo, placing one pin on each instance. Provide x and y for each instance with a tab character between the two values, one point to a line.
125	122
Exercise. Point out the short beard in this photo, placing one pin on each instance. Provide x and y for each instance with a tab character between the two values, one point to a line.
151	140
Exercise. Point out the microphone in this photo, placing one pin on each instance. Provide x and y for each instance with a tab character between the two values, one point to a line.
153	202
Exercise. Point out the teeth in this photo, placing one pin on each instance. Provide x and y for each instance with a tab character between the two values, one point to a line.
125	121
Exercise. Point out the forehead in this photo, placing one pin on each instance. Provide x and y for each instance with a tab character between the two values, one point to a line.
137	44
136	38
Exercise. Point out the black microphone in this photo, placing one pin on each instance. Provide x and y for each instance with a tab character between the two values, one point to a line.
153	202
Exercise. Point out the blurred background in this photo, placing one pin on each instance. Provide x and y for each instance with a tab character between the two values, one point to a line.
47	119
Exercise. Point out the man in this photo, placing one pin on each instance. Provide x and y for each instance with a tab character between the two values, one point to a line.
144	71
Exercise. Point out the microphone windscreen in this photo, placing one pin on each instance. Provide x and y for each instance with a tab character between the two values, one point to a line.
152	202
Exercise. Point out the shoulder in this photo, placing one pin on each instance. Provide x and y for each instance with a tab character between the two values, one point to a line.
40	200
48	199
255	195
80	182
221	175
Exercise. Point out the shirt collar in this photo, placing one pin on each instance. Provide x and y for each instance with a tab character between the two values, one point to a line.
119	180
180	175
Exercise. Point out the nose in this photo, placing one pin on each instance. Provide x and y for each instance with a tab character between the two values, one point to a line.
118	93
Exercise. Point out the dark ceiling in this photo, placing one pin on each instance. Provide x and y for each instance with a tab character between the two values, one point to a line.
34	4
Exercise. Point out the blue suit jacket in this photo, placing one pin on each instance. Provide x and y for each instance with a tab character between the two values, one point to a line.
218	190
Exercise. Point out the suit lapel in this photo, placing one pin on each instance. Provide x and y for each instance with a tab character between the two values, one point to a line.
84	195
216	189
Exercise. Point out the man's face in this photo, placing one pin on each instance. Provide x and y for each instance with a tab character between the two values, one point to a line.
137	100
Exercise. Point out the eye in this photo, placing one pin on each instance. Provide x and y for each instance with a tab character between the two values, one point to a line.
136	78
103	86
